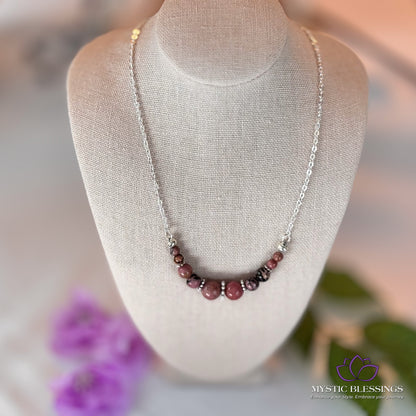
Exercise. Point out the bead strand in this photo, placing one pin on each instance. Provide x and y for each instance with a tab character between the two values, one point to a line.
233	290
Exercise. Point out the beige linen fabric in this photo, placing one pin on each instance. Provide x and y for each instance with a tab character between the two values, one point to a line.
231	151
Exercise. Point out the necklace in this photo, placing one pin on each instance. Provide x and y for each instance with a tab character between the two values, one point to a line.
212	289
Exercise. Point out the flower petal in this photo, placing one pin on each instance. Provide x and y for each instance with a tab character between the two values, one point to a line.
93	390
344	373
79	327
368	372
355	366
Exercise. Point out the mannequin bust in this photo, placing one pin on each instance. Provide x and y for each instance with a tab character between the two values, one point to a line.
229	96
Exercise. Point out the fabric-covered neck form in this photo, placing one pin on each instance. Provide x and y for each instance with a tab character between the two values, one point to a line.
221	43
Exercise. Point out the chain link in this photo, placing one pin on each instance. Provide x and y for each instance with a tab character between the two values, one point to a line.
145	141
288	234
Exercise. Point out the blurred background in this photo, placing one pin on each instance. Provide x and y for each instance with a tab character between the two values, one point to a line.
48	241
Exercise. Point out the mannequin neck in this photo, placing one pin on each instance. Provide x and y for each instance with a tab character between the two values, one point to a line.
221	42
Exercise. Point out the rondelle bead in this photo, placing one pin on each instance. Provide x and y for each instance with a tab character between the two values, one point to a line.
194	281
278	256
178	259
223	287
251	284
185	271
271	264
211	289
233	290
174	251
262	274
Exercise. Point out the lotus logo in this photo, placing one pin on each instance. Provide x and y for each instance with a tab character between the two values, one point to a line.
357	369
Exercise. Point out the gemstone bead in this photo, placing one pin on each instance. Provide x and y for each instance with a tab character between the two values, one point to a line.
185	271
194	281
178	259
174	251
211	290
233	290
271	264
262	274
278	256
251	284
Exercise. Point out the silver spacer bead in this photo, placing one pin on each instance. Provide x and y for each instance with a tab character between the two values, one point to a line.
284	242
243	286
282	248
202	284
171	242
222	288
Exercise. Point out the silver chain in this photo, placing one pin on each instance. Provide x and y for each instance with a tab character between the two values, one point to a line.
311	161
288	234
137	105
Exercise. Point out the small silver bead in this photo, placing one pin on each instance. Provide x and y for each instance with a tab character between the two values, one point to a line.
222	288
243	286
284	242
282	248
201	285
171	242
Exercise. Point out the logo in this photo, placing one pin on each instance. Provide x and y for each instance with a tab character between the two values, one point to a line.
357	369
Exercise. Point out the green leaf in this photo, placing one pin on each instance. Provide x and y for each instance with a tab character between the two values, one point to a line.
337	355
393	338
406	373
398	343
303	335
342	285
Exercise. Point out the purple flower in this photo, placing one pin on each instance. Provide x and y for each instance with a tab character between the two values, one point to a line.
117	355
357	369
94	390
79	328
124	345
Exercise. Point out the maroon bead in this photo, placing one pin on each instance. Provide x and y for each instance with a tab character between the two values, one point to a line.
178	259
185	271
271	264
233	290
194	281
174	251
262	274
278	256
251	284
211	289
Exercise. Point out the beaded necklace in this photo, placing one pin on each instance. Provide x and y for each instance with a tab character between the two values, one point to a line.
212	289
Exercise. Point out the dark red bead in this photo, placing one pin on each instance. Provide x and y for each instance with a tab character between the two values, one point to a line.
211	289
262	274
194	281
174	251
185	271
278	256
271	264
251	284
178	259
233	290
